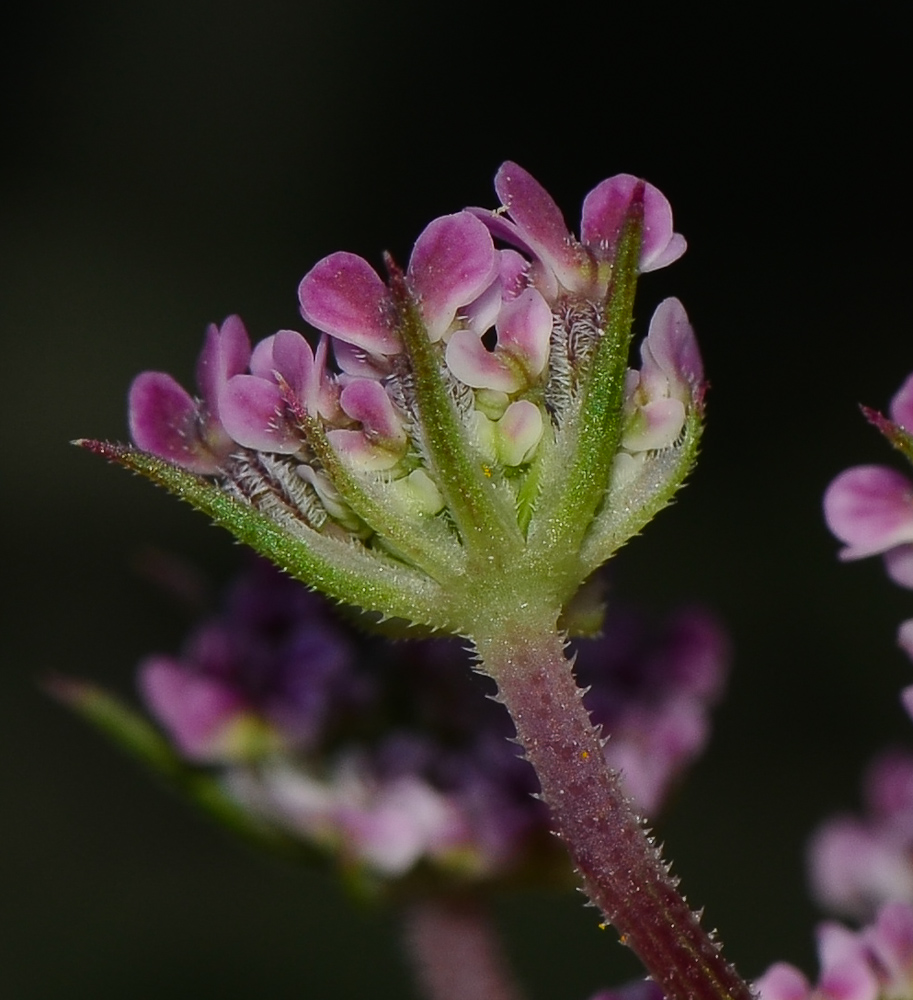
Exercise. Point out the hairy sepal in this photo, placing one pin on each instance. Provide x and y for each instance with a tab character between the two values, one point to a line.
632	505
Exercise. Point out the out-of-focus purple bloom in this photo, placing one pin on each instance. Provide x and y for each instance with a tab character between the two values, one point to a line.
876	961
391	756
858	863
267	675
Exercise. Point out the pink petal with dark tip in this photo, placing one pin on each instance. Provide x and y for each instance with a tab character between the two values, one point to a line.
452	263
366	401
166	421
541	225
902	406
525	330
226	352
605	210
473	364
870	508
670	351
255	416
343	296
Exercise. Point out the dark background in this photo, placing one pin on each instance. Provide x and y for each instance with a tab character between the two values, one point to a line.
170	163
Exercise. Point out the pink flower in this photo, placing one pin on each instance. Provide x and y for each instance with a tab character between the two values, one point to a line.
167	421
534	224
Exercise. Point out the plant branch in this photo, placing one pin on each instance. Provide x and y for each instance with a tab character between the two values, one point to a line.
621	868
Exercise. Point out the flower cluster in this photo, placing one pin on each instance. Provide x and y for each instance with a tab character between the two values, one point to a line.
389	755
466	291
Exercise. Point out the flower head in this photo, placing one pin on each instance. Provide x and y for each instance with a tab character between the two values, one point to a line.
468	421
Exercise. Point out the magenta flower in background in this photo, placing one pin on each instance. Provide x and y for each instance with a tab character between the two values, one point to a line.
876	961
857	864
391	755
870	507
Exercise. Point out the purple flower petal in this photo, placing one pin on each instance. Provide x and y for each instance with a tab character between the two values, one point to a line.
541	225
474	365
452	263
357	361
255	415
226	352
366	401
197	711
605	209
656	424
902	406
361	452
892	940
343	296
525	329
167	421
870	508
671	349
288	355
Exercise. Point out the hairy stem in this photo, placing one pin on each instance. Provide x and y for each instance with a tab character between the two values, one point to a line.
621	868
454	951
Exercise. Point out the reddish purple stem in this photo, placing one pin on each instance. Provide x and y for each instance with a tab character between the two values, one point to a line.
621	869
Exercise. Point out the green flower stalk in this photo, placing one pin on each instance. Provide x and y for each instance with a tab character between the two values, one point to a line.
473	450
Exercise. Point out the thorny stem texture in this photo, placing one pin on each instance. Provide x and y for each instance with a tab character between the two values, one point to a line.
454	952
622	870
